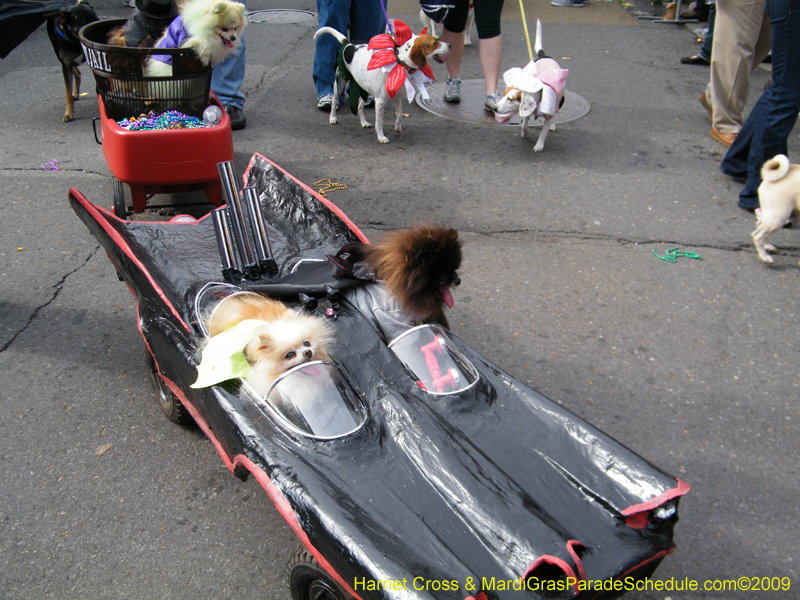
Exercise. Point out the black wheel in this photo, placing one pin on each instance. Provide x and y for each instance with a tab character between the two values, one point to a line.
308	581
120	205
168	401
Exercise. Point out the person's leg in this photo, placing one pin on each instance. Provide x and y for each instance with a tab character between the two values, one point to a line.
487	22
367	19
491	55
453	33
737	29
226	82
453	58
776	111
335	14
705	49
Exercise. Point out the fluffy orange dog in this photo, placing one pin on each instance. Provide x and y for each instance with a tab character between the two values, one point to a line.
288	339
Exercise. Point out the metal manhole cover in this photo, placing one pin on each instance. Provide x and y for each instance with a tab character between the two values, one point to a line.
284	16
473	94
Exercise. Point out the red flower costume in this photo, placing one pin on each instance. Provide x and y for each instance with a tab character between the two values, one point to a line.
385	54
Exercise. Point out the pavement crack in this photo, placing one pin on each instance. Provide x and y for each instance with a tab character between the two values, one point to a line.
583	236
56	291
279	67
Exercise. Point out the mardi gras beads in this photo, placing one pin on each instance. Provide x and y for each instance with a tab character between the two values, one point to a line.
172	119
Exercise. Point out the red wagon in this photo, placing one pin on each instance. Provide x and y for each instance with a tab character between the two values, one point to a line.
156	161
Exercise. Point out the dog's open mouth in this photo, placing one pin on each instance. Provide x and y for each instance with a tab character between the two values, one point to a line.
501	117
447	296
227	42
439	59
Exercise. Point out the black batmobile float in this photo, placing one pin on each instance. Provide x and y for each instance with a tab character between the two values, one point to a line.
413	469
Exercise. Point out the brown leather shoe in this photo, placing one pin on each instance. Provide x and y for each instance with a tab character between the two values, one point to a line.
726	139
707	106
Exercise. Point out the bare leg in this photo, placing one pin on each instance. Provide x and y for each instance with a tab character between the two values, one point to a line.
453	58
491	54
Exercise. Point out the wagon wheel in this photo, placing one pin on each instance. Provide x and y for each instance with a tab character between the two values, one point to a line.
120	208
308	581
172	407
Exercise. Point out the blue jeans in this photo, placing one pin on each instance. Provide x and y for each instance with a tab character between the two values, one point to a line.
768	126
705	49
364	18
227	76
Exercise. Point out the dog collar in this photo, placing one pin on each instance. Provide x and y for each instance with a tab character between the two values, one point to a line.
60	30
410	70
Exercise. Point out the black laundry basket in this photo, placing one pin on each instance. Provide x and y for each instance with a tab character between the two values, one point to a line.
123	87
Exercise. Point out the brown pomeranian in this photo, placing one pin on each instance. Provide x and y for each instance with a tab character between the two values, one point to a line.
289	338
416	270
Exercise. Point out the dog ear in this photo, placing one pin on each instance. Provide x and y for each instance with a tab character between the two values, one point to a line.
266	342
527	106
417	54
220	7
58	15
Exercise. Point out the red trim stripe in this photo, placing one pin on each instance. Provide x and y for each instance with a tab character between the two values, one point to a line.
675	492
576	558
552	560
98	214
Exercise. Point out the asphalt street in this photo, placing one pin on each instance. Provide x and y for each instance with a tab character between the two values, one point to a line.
693	364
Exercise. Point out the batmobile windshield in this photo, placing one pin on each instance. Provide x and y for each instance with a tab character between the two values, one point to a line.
312	399
434	360
315	400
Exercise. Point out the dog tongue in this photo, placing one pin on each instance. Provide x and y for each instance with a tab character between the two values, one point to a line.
502	117
228	43
447	296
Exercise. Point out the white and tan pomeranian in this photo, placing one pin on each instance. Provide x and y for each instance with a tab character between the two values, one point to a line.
212	28
779	199
290	338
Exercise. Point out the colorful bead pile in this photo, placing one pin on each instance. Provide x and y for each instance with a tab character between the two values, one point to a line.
171	119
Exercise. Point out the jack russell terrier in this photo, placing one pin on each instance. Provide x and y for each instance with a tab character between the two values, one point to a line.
382	67
535	91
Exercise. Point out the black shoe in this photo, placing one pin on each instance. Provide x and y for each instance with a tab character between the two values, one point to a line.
238	120
694	60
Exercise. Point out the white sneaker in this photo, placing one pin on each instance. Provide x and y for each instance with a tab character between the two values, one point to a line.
325	102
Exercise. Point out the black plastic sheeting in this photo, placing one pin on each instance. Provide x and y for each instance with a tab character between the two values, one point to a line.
20	18
486	487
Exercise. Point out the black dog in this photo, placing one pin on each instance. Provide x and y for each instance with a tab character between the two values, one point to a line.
63	27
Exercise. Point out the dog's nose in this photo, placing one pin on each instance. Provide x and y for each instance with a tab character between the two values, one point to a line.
233	38
308	354
457	281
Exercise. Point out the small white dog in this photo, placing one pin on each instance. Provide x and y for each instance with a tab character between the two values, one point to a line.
212	28
535	91
435	28
272	337
779	197
384	67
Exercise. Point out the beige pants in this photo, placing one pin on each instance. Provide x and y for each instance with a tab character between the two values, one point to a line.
742	38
